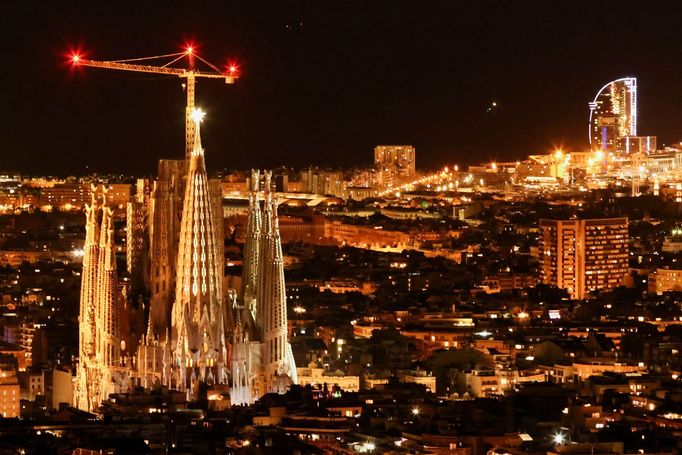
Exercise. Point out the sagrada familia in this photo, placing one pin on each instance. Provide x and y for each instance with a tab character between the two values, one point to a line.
199	330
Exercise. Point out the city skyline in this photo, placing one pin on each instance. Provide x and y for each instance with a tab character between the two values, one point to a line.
328	84
341	227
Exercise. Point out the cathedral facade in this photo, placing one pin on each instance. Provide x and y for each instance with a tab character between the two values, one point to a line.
198	338
262	358
197	331
100	368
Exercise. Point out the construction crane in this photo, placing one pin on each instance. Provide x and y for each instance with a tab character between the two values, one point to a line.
190	74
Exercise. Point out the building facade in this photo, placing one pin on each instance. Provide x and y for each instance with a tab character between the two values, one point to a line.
198	337
665	280
613	114
99	370
395	164
263	361
165	214
584	256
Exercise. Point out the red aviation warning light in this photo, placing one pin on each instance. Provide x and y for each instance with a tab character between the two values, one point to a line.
232	70
75	59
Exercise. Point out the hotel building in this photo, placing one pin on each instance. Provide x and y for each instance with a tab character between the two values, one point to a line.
583	256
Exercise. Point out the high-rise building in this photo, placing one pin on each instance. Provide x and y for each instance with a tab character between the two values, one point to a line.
198	339
584	256
99	359
317	181
395	164
613	114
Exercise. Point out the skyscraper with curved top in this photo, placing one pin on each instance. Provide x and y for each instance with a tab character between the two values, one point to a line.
613	114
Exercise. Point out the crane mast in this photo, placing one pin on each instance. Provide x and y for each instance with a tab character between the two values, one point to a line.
189	74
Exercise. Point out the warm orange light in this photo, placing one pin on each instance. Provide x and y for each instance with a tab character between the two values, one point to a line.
190	49
75	58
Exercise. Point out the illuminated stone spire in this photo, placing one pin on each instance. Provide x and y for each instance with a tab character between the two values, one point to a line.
241	392
85	397
108	336
277	359
98	374
198	333
253	227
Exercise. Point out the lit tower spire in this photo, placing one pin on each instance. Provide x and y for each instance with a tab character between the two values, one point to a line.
241	391
89	278
198	333
99	347
108	337
85	395
253	227
278	361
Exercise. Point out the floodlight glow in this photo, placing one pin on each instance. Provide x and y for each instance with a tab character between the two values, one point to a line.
198	115
559	438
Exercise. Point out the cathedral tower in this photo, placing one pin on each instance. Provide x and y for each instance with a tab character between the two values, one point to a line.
262	359
98	373
198	328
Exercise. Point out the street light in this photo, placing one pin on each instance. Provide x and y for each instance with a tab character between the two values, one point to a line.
415	411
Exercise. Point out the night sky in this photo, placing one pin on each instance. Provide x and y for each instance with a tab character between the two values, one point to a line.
324	81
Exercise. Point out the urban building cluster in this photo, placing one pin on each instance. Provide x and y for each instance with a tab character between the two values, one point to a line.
528	307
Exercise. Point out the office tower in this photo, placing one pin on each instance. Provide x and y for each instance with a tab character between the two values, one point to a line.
395	164
98	372
262	358
198	315
613	114
584	256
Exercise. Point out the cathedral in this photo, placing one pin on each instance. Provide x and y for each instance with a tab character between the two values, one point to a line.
197	330
198	335
100	368
262	360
